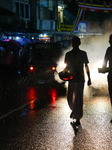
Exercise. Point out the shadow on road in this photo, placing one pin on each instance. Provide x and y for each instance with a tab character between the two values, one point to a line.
81	139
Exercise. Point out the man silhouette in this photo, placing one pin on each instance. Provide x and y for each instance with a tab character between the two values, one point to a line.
108	58
76	60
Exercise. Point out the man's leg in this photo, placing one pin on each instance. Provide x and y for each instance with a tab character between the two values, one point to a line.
110	89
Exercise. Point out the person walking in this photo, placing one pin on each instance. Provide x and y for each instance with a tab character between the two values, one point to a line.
108	58
76	60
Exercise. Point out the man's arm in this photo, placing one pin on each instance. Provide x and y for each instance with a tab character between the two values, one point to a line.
105	60
104	63
88	74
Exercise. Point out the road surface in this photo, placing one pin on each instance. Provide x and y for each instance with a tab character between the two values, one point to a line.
49	128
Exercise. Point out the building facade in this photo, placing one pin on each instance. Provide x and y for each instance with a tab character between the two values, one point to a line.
39	18
46	20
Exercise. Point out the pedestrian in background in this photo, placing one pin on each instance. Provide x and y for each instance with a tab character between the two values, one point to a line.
76	60
108	58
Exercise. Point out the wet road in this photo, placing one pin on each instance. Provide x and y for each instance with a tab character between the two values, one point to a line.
49	128
17	94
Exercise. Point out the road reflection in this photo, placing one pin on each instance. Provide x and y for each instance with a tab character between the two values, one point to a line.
38	98
31	94
34	98
32	104
53	94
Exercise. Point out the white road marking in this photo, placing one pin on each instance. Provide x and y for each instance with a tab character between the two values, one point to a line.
9	113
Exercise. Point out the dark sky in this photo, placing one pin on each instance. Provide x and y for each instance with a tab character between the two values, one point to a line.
72	6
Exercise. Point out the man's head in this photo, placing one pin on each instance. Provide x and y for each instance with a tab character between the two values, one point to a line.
76	42
110	39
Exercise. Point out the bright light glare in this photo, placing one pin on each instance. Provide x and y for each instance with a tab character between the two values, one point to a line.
95	67
99	64
60	7
97	78
17	38
10	37
45	35
62	64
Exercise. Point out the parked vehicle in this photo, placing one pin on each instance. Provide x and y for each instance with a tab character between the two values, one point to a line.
43	60
34	59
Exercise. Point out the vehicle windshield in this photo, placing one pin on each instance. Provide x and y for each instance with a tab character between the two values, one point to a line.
46	52
42	55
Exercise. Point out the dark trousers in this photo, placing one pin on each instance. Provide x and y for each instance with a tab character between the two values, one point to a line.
110	87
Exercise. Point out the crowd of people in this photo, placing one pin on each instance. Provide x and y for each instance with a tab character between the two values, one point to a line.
13	59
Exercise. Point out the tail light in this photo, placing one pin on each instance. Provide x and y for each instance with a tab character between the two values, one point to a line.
31	68
53	68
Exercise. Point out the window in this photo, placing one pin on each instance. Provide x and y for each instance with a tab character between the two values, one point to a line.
27	11
23	10
17	8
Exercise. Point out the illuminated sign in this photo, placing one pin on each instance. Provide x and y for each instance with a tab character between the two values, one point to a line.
82	27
